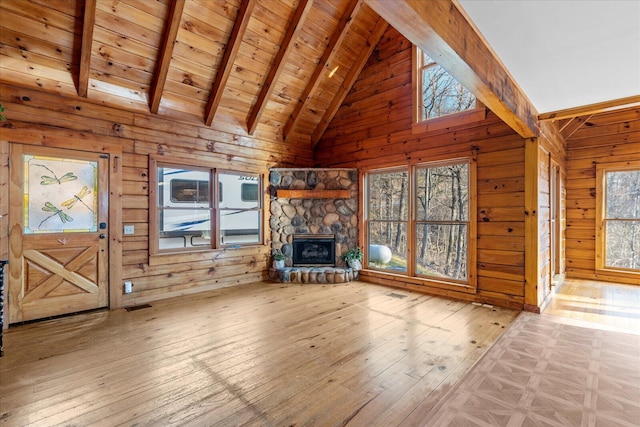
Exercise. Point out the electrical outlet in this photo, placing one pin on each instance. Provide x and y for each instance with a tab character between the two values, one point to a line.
128	287
129	229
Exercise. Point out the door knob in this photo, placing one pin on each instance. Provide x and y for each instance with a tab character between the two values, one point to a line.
103	236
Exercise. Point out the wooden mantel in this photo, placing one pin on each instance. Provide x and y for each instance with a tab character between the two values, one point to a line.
314	194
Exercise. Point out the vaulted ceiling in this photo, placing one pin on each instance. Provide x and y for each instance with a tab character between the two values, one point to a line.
274	68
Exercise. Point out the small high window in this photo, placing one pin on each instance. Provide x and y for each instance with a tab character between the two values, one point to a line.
441	93
438	93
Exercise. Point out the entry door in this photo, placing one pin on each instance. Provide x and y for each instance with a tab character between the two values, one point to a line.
58	239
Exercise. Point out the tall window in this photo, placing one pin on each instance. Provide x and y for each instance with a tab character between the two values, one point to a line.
419	221
387	198
618	236
186	214
442	220
440	93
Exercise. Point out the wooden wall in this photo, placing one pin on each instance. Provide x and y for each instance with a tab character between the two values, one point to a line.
35	117
552	152
373	129
607	137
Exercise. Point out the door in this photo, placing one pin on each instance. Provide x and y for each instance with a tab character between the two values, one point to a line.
58	245
554	196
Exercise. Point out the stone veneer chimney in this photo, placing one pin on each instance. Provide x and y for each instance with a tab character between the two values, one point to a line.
317	214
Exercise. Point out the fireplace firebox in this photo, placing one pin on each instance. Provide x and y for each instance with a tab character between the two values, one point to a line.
314	249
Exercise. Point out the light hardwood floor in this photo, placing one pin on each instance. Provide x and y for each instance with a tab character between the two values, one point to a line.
260	354
270	355
607	305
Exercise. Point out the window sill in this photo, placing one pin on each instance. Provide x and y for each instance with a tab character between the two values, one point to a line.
450	120
619	273
419	281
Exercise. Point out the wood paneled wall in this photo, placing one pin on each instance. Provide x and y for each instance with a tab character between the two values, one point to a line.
605	138
35	117
552	154
373	129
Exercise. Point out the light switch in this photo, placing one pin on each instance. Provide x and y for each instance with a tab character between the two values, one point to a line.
129	229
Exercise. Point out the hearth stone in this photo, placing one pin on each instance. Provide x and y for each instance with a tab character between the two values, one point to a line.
311	275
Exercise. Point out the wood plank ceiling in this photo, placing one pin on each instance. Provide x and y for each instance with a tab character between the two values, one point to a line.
277	69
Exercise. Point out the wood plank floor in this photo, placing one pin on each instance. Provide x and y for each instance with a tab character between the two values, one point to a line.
261	354
610	305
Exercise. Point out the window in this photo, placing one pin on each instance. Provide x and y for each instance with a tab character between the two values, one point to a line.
186	214
387	194
419	221
442	220
189	191
618	217
439	94
240	212
249	192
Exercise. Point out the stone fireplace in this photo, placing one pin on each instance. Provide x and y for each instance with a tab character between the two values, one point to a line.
314	204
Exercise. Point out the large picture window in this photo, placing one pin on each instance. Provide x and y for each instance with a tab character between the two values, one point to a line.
188	215
419	221
618	236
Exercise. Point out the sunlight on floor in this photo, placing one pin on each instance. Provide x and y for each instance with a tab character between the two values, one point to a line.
612	306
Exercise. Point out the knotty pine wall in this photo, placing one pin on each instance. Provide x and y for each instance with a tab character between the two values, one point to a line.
606	138
35	117
373	129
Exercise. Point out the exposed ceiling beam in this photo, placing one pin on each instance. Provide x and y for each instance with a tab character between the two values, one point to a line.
228	58
166	51
442	30
85	50
573	125
600	107
332	47
299	15
349	80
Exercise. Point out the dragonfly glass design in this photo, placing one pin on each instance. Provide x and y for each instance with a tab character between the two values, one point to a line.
60	195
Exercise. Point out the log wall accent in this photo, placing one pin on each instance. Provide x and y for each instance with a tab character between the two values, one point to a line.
35	117
605	138
373	129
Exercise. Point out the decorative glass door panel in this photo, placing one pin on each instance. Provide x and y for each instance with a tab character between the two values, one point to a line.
60	195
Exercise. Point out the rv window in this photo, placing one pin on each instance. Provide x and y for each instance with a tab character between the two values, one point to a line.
189	190
249	192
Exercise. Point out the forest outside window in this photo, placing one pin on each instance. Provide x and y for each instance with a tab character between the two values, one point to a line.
422	219
442	220
438	92
187	214
618	236
387	213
